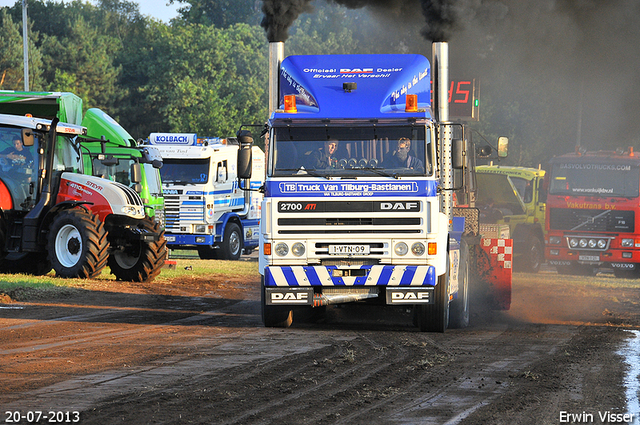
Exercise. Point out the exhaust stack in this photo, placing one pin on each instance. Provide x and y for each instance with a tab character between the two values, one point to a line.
440	52
276	56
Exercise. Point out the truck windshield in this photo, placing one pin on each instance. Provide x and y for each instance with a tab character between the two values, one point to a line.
351	151
595	179
185	171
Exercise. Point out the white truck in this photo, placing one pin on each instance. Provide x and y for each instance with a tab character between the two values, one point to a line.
206	206
359	195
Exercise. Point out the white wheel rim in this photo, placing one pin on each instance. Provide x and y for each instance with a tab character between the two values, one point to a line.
68	246
234	243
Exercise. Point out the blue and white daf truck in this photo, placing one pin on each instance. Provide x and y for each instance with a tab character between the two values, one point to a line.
358	197
206	206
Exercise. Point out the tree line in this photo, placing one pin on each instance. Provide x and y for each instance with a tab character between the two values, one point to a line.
206	71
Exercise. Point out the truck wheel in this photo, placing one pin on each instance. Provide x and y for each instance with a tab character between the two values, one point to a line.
274	316
459	317
534	256
77	245
25	262
232	244
435	317
140	261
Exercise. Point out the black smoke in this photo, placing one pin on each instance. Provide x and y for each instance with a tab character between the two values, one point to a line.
439	15
279	15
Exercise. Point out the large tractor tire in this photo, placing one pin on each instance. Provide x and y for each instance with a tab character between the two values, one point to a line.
77	245
232	244
459	317
140	261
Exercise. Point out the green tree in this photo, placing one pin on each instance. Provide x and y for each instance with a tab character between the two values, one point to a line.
220	13
12	60
82	62
196	78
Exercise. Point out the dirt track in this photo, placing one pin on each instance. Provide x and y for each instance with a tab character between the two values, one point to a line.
194	351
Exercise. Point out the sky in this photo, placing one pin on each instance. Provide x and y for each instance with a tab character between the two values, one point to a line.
155	8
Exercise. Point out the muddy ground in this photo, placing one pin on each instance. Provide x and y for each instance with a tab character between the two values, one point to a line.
194	351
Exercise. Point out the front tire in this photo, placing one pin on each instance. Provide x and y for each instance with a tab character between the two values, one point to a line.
435	317
459	317
232	243
77	245
140	261
274	316
534	256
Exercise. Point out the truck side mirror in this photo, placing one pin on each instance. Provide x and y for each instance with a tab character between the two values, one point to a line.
136	173
245	139
458	153
503	146
27	137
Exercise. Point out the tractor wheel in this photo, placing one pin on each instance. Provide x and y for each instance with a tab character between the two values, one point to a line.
460	307
77	245
140	261
232	244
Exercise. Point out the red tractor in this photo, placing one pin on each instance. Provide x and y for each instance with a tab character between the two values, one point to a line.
53	216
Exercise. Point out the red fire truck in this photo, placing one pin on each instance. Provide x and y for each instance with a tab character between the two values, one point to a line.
593	199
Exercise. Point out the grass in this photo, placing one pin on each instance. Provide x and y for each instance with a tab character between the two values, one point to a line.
22	286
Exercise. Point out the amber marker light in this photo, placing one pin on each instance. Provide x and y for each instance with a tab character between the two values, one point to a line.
266	249
290	104
432	248
412	103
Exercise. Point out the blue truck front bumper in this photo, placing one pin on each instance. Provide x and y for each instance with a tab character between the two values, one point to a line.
350	276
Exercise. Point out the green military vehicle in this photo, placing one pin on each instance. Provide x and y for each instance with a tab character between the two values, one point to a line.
524	216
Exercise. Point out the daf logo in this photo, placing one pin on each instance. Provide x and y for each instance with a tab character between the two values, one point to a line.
289	296
401	206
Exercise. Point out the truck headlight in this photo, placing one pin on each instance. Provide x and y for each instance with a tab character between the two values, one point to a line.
401	248
602	243
298	249
627	243
554	240
281	249
417	249
201	228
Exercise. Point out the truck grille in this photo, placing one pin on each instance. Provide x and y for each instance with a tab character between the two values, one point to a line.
584	220
180	214
345	225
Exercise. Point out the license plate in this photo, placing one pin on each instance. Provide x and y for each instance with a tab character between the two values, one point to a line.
589	258
349	249
170	238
